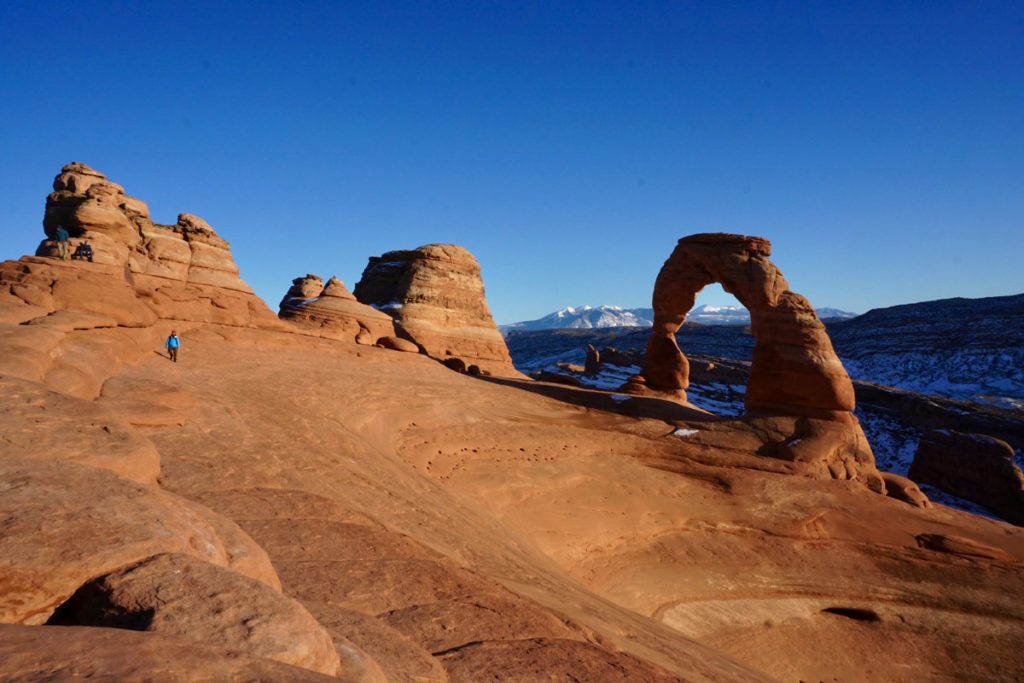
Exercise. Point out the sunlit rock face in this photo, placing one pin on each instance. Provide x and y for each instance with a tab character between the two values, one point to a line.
797	384
436	296
143	280
332	311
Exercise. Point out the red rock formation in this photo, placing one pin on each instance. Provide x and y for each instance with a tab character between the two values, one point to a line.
78	509
973	466
795	373
34	653
141	273
436	296
332	311
185	596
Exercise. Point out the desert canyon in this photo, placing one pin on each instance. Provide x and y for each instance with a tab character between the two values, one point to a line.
363	487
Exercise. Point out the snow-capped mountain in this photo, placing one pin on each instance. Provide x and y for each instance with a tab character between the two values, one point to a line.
968	349
958	364
590	317
587	317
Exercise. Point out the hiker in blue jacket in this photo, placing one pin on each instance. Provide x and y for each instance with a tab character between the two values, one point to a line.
173	344
63	241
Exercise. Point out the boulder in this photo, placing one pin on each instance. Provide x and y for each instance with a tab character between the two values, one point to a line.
592	364
436	296
977	467
65	523
182	595
303	289
397	344
904	489
332	311
456	364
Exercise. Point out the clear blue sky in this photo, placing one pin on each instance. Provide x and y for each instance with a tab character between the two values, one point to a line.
568	145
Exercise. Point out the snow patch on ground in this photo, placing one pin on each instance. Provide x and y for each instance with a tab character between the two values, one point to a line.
894	444
685	432
949	500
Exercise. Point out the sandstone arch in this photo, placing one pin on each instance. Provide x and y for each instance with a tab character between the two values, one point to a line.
799	399
795	371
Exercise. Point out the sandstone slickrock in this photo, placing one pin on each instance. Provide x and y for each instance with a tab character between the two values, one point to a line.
71	653
143	272
445	529
795	372
972	466
398	344
69	428
332	311
436	296
188	597
59	521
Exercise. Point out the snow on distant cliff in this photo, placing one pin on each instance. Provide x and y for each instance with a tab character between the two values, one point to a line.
590	317
968	349
587	317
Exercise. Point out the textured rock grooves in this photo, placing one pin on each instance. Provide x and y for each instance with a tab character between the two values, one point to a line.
144	279
281	505
797	387
333	312
436	296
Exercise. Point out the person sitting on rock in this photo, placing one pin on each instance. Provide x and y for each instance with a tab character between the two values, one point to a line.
83	252
173	344
63	239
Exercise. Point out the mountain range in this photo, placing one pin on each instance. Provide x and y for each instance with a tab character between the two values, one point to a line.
591	317
961	349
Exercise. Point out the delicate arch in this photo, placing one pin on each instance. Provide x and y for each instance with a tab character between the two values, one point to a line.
795	370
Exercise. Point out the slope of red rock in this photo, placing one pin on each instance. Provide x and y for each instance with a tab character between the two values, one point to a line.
403	522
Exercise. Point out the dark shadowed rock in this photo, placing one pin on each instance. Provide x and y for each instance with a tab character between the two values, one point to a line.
972	466
182	595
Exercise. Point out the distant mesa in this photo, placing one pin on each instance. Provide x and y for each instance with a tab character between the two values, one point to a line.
333	312
797	383
436	296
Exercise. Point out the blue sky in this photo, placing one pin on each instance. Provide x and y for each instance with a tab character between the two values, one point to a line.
568	145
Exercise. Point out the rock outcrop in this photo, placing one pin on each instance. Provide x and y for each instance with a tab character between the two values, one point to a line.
141	273
122	234
333	312
48	653
59	519
977	467
797	383
436	296
188	597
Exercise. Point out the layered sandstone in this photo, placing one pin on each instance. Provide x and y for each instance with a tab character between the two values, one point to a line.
145	278
436	296
185	596
442	529
798	387
118	226
977	467
332	311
